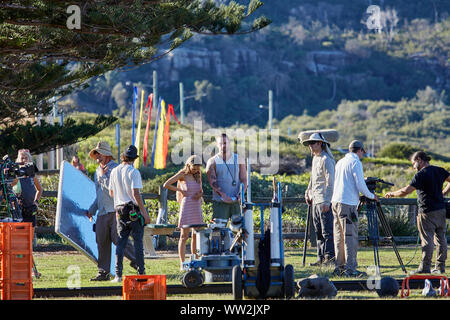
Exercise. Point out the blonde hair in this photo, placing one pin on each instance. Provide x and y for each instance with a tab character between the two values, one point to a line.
26	153
193	160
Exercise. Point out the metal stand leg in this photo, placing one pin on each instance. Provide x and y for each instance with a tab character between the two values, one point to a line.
372	224
373	230
305	241
388	231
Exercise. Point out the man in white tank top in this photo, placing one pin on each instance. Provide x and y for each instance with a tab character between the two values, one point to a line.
225	174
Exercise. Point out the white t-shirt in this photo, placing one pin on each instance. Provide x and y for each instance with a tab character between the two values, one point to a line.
124	178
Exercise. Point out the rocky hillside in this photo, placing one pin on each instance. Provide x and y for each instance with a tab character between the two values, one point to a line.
314	55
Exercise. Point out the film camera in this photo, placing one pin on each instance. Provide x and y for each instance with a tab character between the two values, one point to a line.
12	170
9	171
371	183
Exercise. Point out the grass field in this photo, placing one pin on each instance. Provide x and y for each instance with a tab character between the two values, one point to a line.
59	268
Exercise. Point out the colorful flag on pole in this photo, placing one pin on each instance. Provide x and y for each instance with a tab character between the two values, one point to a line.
170	111
135	96
159	162
148	111
138	140
158	113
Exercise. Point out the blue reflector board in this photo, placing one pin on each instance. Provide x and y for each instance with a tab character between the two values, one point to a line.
76	194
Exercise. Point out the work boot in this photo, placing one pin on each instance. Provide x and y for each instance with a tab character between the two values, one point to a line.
354	274
329	262
103	276
338	271
134	265
318	263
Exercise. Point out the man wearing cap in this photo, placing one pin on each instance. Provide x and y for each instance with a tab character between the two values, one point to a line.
105	226
131	215
348	184
318	196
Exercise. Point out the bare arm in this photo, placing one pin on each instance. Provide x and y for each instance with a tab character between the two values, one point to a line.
447	188
39	189
212	177
401	192
169	183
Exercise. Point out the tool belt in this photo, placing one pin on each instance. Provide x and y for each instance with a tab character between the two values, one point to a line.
129	212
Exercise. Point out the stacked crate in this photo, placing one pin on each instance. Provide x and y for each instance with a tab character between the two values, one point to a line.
16	261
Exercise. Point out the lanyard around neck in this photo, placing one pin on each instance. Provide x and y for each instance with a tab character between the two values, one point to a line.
229	171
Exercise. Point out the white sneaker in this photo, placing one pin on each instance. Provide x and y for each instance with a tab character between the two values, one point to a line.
116	279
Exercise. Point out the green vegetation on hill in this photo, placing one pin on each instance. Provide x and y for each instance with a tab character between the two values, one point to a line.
422	122
393	164
314	56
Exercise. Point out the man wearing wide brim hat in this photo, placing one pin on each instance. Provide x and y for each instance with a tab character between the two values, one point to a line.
318	196
105	225
315	137
103	148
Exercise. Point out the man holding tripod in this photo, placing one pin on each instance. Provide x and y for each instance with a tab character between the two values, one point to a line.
349	183
428	182
318	196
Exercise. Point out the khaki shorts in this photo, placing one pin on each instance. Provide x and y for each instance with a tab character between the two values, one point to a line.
223	210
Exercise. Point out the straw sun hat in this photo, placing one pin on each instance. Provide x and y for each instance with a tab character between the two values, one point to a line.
102	148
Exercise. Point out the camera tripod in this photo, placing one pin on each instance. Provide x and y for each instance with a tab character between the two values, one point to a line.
11	202
375	213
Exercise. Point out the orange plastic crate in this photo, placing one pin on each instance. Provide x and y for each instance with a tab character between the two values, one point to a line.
16	237
144	287
16	290
16	266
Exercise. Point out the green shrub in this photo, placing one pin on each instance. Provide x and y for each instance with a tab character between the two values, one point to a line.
397	151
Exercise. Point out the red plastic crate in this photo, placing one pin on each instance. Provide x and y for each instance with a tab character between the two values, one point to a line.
16	266
445	290
144	287
16	290
16	237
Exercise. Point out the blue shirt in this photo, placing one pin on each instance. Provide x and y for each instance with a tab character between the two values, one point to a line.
104	203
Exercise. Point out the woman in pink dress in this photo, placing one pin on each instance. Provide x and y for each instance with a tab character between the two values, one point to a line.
77	164
189	194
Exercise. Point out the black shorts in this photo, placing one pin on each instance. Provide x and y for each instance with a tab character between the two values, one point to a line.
29	214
